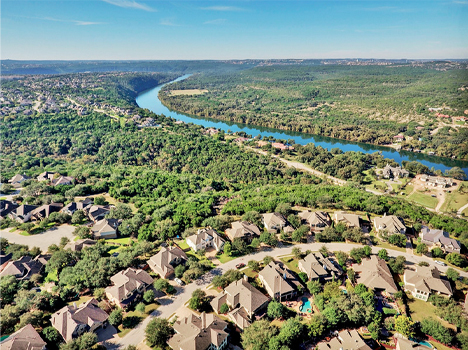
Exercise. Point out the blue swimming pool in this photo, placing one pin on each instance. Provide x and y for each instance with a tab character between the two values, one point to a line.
306	306
422	342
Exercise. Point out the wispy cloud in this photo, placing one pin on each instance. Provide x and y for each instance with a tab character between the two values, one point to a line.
460	2
168	22
216	21
78	23
130	4
223	8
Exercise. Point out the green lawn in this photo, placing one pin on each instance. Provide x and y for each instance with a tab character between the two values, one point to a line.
123	240
24	233
420	310
81	300
455	200
423	199
136	318
182	244
291	262
224	258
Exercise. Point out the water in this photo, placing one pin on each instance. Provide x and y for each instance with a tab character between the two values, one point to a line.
149	99
305	305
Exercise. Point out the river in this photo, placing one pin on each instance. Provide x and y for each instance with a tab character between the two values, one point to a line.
149	99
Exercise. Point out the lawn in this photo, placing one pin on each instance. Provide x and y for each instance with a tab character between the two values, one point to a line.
135	317
455	201
224	258
182	244
420	310
423	199
81	300
291	263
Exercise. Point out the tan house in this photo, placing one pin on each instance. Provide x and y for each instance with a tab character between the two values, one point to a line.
391	224
25	338
435	181
105	229
274	221
207	332
72	207
243	230
17	180
46	176
244	301
72	321
6	207
349	220
79	245
374	273
317	267
317	220
165	260
128	286
45	210
205	238
62	180
426	280
22	213
439	238
394	172
280	283
98	212
346	340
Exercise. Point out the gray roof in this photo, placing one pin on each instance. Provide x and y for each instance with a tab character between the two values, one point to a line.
126	282
428	279
315	265
161	262
279	278
374	273
25	338
23	268
242	229
346	340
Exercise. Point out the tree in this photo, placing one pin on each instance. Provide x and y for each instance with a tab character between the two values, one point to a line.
397	239
179	270
161	284
317	325
437	253
342	257
254	265
253	216
383	254
116	317
404	325
141	307
228	248
303	277
324	251
8	288
51	336
258	335
120	211
158	331
457	173
435	329
294	220
314	287
284	209
100	200
276	310
78	217
148	297
297	252
351	275
267	259
452	274
300	234
423	263
224	308
421	248
82	232
397	265
198	299
456	259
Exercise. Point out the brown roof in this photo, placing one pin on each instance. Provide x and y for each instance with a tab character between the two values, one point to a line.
23	268
105	228
242	229
161	262
62	180
126	282
78	245
406	344
45	210
25	338
427	279
279	278
390	223
316	217
274	219
206	234
315	265
350	220
374	273
346	340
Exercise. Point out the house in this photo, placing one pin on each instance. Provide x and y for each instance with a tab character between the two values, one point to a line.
128	286
391	224
24	267
98	212
72	321
274	222
317	267
79	245
398	138
207	332
406	344
62	180
435	181
394	172
25	338
346	340
439	238
4	259
16	180
205	238
279	281
105	229
426	280
46	176
22	213
349	220
6	207
243	230
165	260
45	210
244	300
374	273
72	207
318	220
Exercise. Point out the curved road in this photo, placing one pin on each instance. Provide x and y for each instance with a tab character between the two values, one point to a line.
169	306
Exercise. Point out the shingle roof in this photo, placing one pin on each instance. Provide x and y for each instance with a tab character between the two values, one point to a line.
351	220
279	278
315	217
25	338
206	234
126	282
274	219
160	262
315	265
390	223
6	207
79	244
374	273
241	229
427	278
346	340
23	268
105	227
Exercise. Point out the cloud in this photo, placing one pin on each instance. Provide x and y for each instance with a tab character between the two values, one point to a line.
389	9
223	8
78	23
216	21
460	2
130	4
168	22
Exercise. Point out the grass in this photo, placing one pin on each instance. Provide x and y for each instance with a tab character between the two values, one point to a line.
81	300
292	263
136	317
52	276
420	310
424	200
182	244
224	258
123	240
249	272
24	233
455	200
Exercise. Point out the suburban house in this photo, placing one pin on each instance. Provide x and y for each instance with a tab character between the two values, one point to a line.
346	340
317	267
435	181
243	230
45	210
46	176
16	180
439	238
62	180
406	344
4	259
394	172
25	338
22	213
374	273
72	321
128	286
280	283
98	212
105	229
317	220
165	260
205	238
274	222
349	220
244	301
391	224
77	246
426	280
207	332
24	267
6	207
70	208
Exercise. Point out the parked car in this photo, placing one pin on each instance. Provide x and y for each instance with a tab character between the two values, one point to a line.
240	265
440	263
179	281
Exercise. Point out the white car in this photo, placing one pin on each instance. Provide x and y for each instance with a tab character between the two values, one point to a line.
179	281
440	263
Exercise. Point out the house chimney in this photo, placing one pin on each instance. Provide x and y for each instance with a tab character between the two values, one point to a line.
203	321
246	278
74	305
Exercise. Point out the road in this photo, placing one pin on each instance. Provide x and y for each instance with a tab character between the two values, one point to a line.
169	306
460	211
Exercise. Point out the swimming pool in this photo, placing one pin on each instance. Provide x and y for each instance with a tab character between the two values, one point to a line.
422	342
306	306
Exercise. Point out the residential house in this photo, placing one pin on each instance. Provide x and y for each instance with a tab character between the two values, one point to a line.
62	180
244	300
279	281
439	238
22	213
435	181
243	230
98	212
105	229
128	286
346	340
46	176
349	220
205	238
207	332
317	220
17	180
45	210
317	267
406	344
426	280
274	222
394	172
374	273
24	267
79	245
166	259
6	207
72	207
72	321
4	259
391	224
25	338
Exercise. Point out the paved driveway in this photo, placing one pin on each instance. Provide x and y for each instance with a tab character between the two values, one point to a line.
41	240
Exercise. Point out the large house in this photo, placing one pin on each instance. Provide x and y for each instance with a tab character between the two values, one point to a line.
274	222
25	338
391	224
317	220
207	332
98	212
374	273
244	300
79	245
72	321
70	208
24	267
205	238
243	230
165	260
346	340
17	180
46	176
435	181
45	210
62	180
279	281
105	229
349	220
394	172
128	286
439	238
317	267
6	207
22	213
425	281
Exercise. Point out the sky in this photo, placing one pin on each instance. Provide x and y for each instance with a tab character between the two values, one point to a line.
166	30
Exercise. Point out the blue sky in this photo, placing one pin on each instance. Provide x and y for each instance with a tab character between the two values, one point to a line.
137	29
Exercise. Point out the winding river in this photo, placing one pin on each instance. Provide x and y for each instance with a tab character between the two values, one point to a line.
149	99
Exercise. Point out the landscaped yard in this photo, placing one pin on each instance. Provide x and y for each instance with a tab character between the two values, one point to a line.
291	263
423	199
81	300
182	244
224	258
420	310
51	276
134	318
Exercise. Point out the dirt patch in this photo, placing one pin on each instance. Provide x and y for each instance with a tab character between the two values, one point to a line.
187	92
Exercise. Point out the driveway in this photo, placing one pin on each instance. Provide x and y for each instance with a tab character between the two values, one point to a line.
42	240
